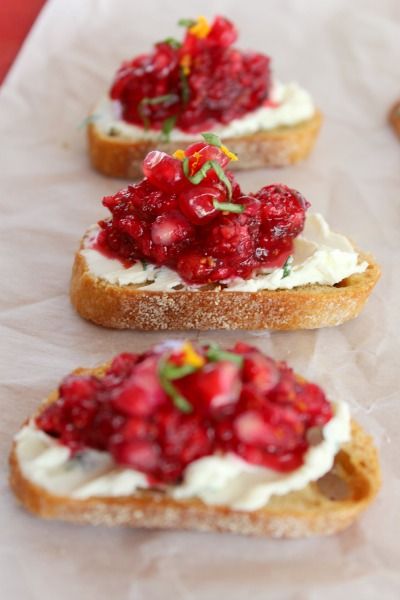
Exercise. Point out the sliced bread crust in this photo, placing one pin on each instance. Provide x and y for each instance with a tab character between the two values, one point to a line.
322	508
115	156
306	307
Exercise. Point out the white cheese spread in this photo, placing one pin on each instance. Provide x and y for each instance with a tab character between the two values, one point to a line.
292	105
218	479
320	256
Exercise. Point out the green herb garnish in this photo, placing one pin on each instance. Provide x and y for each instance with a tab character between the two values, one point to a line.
228	206
215	353
167	373
287	267
171	371
184	86
172	42
212	139
187	22
167	127
170	98
202	172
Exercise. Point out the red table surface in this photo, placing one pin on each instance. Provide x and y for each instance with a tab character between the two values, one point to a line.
16	19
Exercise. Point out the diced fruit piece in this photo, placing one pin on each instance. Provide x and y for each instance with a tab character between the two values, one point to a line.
195	267
214	387
261	371
141	393
170	229
197	204
251	428
136	454
164	171
228	236
223	33
282	212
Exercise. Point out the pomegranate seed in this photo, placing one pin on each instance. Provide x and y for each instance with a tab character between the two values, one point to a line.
137	454
198	204
223	33
250	428
171	229
141	392
164	171
261	371
123	364
214	387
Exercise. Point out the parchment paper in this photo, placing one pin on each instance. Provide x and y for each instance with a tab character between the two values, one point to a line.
347	55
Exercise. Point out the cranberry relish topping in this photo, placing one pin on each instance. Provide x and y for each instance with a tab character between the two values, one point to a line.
194	85
189	214
157	412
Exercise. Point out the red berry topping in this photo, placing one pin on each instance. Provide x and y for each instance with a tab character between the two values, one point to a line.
157	412
190	215
282	211
163	171
198	84
171	228
198	204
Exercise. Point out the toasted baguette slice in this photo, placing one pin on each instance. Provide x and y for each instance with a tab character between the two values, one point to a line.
394	117
118	157
306	307
323	507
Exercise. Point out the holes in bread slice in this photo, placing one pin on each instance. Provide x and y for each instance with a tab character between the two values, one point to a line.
334	487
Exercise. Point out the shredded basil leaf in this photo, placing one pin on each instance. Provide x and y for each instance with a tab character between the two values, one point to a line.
212	139
215	353
228	206
159	99
167	127
184	86
165	371
287	267
172	42
187	22
170	98
176	372
202	172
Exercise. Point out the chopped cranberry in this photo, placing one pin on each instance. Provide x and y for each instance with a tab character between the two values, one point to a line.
195	266
78	388
229	235
123	364
282	211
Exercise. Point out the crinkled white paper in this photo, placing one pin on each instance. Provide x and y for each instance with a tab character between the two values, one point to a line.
347	55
